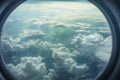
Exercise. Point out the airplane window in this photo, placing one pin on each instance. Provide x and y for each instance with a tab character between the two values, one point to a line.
56	40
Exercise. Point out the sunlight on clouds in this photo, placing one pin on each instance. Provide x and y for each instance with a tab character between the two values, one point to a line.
61	5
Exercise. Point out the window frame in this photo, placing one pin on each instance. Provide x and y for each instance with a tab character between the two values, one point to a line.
110	8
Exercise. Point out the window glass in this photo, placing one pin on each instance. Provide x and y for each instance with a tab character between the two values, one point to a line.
56	40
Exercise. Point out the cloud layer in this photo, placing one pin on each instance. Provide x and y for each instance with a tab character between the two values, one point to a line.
56	42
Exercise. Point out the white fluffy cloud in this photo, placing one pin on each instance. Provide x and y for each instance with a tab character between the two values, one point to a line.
10	43
17	44
102	47
89	39
32	68
61	55
105	49
64	60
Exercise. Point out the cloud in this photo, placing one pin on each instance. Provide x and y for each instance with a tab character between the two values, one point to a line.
84	25
89	39
79	71
39	22
104	50
46	21
10	43
64	60
31	33
25	39
60	4
59	56
51	75
34	21
32	68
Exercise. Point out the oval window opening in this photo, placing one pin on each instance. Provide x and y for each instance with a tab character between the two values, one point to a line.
56	40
